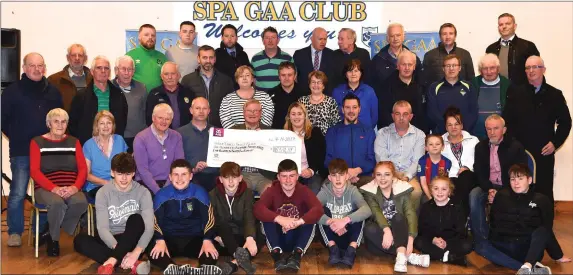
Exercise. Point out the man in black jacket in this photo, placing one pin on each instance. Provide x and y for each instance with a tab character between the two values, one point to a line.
209	83
532	110
178	96
492	176
100	94
230	55
521	227
315	57
512	50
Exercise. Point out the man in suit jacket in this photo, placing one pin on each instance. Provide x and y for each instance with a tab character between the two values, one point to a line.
315	57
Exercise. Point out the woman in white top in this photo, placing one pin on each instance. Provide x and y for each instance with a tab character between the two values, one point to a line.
231	110
459	148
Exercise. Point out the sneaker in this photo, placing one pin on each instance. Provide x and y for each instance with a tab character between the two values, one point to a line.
203	270
141	267
53	248
401	264
540	269
422	260
227	268
349	256
333	255
293	261
14	240
280	261
173	269
524	270
105	269
244	260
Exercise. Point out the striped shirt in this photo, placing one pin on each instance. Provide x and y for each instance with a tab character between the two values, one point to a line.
102	98
231	111
267	69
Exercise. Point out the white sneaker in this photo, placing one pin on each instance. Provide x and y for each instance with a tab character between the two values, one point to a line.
14	240
422	260
540	269
401	264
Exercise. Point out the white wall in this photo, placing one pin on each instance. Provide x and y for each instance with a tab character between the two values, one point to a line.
50	27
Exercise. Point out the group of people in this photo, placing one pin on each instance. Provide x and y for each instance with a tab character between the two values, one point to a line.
385	144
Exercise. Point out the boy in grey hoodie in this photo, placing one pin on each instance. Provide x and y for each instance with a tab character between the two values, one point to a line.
124	218
345	211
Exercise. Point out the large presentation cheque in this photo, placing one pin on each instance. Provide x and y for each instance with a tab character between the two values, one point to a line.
262	149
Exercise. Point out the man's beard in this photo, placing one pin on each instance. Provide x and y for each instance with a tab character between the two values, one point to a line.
149	45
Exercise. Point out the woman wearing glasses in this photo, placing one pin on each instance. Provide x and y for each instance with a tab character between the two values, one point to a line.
322	109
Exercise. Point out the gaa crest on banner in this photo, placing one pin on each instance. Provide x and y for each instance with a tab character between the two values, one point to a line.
367	34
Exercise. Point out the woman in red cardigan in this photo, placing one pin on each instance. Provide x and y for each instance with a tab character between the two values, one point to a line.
58	168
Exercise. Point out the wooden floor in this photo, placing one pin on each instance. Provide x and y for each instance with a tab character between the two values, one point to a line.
21	260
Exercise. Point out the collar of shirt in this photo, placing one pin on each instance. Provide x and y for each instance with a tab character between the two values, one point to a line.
510	39
233	49
410	129
205	77
71	73
125	89
491	83
165	135
537	89
491	145
98	90
181	46
313	51
172	92
395	56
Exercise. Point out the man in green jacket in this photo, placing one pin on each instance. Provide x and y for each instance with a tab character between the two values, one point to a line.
491	89
148	61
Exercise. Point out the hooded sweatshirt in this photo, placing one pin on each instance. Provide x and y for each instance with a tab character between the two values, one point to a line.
113	208
350	204
301	204
235	212
400	194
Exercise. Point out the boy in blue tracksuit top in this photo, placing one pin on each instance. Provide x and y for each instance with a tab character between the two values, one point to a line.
451	91
353	142
184	225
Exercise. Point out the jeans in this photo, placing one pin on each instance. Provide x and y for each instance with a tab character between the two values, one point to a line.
480	228
20	167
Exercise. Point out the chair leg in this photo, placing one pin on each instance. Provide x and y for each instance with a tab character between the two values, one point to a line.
90	220
37	216
30	227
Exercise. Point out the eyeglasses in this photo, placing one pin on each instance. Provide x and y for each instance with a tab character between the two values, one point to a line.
41	66
527	68
451	66
102	68
126	70
487	69
316	82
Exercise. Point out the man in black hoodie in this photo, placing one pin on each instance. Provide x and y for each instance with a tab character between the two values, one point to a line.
230	55
25	104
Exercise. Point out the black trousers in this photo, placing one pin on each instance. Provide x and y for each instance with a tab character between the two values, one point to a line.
129	142
188	246
95	249
373	235
544	173
456	246
464	183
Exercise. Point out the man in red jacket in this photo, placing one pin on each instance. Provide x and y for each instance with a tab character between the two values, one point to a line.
289	212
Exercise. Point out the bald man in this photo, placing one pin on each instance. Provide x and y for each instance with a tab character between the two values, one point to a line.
177	96
531	112
196	142
315	57
25	104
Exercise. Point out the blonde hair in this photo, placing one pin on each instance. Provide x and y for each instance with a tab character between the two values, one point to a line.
252	101
307	124
487	58
443	177
57	112
100	115
241	69
390	165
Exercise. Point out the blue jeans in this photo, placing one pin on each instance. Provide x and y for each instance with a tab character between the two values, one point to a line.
480	228
20	167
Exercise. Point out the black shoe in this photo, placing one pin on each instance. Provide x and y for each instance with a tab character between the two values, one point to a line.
293	261
44	236
349	256
244	260
334	255
53	248
457	260
228	268
280	261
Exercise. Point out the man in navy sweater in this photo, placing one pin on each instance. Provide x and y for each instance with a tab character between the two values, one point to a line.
353	142
25	104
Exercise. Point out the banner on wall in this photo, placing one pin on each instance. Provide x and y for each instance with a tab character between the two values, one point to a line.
164	40
418	42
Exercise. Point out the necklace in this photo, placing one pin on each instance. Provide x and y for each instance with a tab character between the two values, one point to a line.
317	101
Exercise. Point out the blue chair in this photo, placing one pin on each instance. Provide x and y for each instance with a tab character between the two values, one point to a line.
532	166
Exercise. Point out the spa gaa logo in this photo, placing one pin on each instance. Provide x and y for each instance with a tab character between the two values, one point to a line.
367	34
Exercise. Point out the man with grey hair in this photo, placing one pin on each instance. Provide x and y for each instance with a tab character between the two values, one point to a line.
347	50
155	148
491	88
195	136
512	50
315	57
25	105
532	110
74	77
177	96
135	94
384	62
100	94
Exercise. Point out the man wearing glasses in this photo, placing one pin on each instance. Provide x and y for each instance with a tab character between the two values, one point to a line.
512	50
178	96
155	148
74	77
491	88
531	112
135	94
100	94
451	91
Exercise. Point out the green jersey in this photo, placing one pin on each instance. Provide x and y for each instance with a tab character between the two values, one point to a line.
148	65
